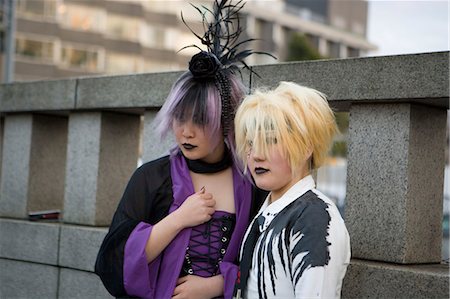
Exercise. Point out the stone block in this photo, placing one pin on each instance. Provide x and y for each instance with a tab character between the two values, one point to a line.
83	154
14	188
2	125
395	181
34	164
152	145
47	163
130	91
27	280
78	241
119	152
421	78
29	241
80	284
102	154
367	279
38	96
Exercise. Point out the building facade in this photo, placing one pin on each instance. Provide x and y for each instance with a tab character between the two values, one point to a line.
68	38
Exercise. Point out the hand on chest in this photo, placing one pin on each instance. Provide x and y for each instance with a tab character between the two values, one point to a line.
220	185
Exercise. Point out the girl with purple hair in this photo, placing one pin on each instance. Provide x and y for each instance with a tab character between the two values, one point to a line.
181	220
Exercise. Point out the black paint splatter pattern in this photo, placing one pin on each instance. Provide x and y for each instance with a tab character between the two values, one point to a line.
299	229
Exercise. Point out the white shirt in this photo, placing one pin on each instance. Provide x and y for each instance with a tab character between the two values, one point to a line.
303	253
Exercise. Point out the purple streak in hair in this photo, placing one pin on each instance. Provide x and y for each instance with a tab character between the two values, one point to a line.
199	101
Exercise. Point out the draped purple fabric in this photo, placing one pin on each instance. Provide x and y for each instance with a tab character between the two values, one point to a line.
158	279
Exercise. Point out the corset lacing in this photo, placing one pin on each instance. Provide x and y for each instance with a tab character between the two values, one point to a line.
208	245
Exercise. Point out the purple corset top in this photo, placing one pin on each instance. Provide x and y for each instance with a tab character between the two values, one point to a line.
208	244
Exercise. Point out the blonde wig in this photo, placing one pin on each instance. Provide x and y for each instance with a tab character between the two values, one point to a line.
296	118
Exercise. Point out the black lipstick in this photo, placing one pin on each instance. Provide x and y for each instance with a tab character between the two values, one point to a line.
188	146
260	170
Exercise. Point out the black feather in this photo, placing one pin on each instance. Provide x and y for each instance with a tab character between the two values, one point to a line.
222	33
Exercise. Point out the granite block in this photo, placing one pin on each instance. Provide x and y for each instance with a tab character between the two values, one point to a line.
79	241
2	126
395	182
421	78
34	164
129	91
102	154
119	149
367	279
14	188
27	280
426	184
80	284
29	241
153	146
38	96
47	163
82	166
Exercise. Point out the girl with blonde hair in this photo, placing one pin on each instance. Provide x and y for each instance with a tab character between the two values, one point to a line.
297	245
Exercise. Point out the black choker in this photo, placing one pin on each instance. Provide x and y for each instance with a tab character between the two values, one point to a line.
199	166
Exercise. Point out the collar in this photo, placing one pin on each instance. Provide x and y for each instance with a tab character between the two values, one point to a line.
269	211
199	166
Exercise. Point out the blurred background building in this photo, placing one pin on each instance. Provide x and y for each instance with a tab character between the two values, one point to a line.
71	38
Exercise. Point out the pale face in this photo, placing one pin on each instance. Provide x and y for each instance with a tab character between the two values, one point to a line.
195	144
273	173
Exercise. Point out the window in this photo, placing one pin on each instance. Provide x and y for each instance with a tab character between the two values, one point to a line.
122	27
154	37
81	18
34	49
170	7
352	52
121	63
40	8
73	57
333	49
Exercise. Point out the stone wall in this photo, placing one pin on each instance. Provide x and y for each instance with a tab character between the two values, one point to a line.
73	144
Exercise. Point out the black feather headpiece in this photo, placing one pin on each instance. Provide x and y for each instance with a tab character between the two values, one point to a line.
222	56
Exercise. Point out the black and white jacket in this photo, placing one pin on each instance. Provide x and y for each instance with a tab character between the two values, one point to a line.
304	247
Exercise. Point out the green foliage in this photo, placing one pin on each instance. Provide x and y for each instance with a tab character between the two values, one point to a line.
339	149
342	121
300	49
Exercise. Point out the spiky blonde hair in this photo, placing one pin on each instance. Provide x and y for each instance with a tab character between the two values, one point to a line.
295	117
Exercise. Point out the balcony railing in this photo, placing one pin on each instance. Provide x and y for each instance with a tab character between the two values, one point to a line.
73	144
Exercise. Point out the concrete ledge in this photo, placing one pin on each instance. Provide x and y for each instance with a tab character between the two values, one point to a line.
367	279
29	241
419	78
79	284
38	96
77	242
130	91
27	280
